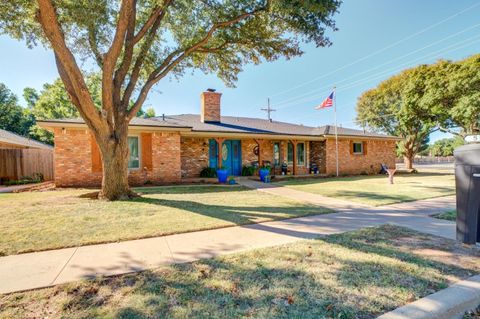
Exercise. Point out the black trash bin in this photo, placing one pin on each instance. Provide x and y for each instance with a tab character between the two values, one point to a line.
467	180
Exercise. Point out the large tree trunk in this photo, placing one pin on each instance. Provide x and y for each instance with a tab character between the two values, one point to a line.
114	149
408	159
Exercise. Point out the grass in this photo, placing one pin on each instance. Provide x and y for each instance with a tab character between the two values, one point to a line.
451	215
376	191
353	275
34	221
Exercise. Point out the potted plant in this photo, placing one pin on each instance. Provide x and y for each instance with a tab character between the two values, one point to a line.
231	180
264	171
222	174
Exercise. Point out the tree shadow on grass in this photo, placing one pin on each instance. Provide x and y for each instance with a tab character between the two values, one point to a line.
239	215
385	245
392	198
191	189
309	280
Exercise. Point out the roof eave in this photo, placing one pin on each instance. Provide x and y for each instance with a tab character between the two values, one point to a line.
370	137
50	125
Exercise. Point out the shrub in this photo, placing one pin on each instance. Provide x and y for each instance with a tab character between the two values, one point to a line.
248	170
35	178
208	172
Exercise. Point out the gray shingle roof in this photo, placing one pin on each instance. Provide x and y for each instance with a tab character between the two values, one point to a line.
233	124
259	126
12	138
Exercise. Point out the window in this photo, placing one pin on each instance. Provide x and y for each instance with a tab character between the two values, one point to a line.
290	153
357	148
300	154
276	153
134	159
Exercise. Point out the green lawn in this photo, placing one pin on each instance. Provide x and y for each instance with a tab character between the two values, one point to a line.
33	221
376	191
354	275
451	215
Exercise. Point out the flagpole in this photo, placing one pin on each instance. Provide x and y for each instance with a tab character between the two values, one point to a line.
336	133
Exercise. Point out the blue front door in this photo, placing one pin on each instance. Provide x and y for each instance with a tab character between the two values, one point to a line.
231	156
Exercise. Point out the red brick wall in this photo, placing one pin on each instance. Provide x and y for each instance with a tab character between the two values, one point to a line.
73	160
378	151
210	106
194	156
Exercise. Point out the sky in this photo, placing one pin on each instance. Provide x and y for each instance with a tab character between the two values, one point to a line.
375	40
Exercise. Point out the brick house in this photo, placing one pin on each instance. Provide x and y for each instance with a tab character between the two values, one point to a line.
171	149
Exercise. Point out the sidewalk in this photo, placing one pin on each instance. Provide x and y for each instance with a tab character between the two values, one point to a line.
42	269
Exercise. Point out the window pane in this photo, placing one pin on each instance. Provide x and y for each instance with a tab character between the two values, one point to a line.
133	160
301	154
357	148
276	154
290	153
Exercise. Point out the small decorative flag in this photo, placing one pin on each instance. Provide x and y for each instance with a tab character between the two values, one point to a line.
328	102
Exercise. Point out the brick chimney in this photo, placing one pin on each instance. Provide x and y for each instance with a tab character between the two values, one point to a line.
210	106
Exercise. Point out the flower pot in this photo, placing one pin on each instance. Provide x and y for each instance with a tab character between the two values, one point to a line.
222	175
263	172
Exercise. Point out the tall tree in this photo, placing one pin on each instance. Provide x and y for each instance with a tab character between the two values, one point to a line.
13	117
136	44
394	107
453	95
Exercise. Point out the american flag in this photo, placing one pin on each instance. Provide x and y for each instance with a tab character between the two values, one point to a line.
328	102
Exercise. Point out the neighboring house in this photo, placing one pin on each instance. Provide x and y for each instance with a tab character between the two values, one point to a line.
21	156
169	149
9	140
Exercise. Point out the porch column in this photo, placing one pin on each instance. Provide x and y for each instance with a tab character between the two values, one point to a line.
260	144
220	144
294	143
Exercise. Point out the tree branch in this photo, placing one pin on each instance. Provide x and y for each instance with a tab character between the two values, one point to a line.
92	41
122	71
146	45
68	68
168	65
111	57
154	16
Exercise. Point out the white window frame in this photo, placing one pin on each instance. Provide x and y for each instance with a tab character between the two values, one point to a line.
361	146
304	154
139	153
293	153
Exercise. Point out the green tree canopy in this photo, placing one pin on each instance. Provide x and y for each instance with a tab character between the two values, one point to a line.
394	108
453	95
441	96
13	117
445	146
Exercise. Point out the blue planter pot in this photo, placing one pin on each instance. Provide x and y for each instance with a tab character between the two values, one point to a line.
263	172
222	175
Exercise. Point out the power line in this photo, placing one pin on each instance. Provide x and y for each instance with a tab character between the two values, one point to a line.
315	96
378	51
383	64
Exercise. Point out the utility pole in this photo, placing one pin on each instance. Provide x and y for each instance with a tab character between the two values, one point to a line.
269	110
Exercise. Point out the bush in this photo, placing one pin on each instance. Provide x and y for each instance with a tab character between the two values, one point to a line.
35	178
208	172
248	170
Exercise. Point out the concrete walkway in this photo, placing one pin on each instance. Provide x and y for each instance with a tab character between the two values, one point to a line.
43	269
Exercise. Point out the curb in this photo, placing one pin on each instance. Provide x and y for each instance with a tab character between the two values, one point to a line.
448	303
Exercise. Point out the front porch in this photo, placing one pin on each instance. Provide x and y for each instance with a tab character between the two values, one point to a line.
298	157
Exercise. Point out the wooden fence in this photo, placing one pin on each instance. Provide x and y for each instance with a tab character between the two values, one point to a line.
430	159
17	163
